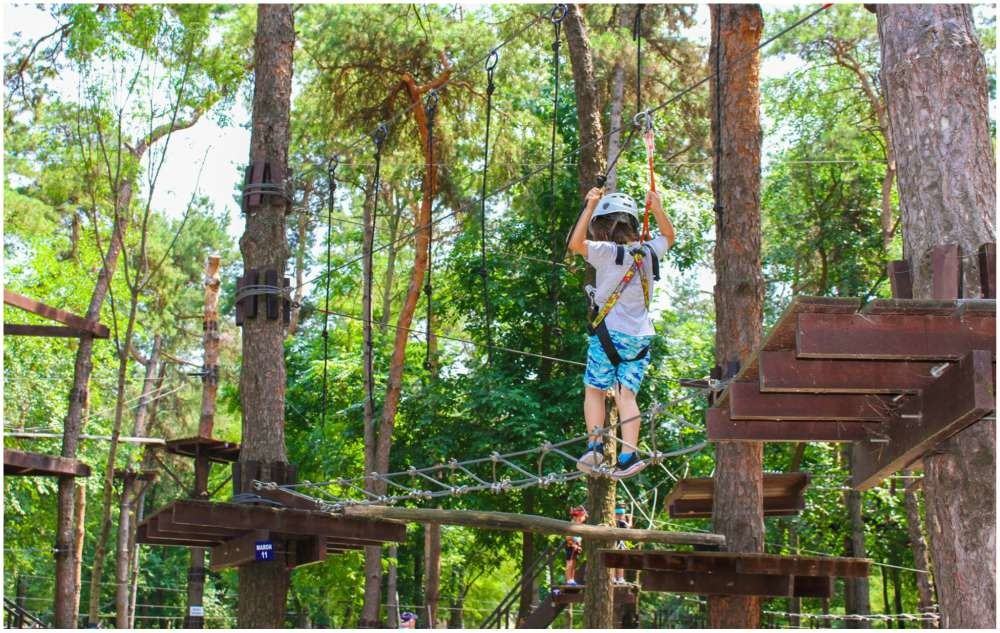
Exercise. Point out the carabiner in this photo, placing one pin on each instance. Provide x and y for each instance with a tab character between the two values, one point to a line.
492	60
558	12
644	120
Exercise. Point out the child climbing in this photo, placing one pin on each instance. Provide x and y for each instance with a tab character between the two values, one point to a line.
622	520
620	328
574	544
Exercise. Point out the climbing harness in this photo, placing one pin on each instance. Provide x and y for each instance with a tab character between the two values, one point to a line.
596	324
430	108
491	64
332	189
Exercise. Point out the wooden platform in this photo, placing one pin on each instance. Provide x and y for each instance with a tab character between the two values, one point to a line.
692	497
35	464
300	537
217	451
726	573
627	593
897	376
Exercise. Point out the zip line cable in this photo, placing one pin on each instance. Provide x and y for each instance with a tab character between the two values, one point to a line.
510	184
491	64
369	370
431	110
332	180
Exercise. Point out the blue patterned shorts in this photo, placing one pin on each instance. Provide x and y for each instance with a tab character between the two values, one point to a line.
601	374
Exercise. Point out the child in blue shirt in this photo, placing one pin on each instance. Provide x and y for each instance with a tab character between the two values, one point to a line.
617	358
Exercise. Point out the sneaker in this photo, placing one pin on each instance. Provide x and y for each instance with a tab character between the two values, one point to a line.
591	459
628	468
570	582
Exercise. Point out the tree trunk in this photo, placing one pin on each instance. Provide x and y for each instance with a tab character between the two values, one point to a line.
67	587
382	444
76	557
391	252
918	545
392	588
263	586
856	589
739	287
598	612
432	563
934	76
100	549
130	493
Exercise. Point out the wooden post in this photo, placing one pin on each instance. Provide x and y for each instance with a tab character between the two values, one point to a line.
22	602
194	614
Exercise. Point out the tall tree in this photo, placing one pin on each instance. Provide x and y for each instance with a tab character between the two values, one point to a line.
934	77
599	591
739	287
263	587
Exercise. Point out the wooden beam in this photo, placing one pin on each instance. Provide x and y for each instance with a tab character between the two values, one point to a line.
60	316
746	402
733	584
285	521
720	428
530	523
307	551
782	372
988	270
53	331
963	394
894	336
900	279
739	562
238	551
946	271
35	464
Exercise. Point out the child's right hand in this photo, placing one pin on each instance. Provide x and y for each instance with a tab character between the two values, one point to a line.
594	195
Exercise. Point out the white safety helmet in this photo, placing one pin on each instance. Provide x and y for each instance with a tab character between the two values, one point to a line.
616	203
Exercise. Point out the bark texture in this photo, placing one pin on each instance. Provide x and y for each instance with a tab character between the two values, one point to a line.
739	287
263	587
934	76
598	597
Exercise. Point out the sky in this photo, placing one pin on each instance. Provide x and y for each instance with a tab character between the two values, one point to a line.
225	149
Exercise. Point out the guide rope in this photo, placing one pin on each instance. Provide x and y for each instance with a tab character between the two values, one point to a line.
491	64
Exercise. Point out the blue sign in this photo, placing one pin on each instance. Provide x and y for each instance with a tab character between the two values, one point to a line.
264	550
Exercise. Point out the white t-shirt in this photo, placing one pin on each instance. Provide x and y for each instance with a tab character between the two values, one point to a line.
629	315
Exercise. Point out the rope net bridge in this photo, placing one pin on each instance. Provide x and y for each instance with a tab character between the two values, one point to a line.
497	473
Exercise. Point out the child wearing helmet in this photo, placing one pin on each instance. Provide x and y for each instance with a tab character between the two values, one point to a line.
574	544
620	328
